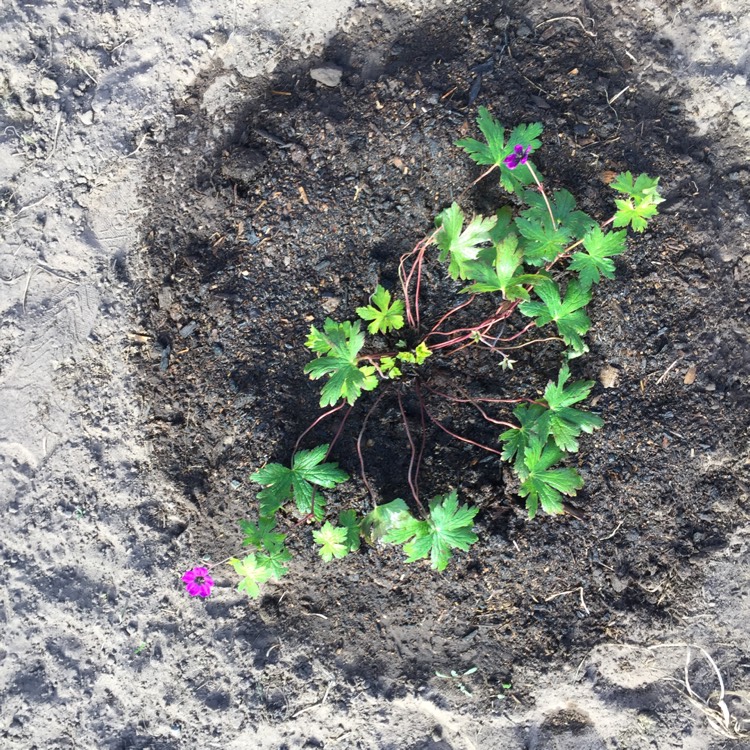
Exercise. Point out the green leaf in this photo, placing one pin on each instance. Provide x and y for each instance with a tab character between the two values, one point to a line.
560	395
348	520
542	242
568	315
562	203
253	572
262	536
421	353
282	484
494	151
418	356
388	367
337	347
501	276
382	518
641	204
448	527
542	484
517	438
275	561
384	314
597	260
564	423
461	246
403	527
503	227
515	180
333	541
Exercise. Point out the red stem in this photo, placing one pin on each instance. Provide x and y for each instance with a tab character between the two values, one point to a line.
317	421
340	429
359	443
481	399
410	474
462	439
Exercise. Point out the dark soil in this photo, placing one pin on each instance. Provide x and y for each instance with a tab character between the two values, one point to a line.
264	220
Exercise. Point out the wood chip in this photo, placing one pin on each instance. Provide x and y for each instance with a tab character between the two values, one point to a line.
689	378
303	195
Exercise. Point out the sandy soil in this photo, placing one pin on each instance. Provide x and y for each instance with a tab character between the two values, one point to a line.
101	648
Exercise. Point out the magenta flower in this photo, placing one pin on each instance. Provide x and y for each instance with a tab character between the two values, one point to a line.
519	156
198	582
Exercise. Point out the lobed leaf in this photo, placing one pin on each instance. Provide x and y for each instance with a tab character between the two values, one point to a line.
562	203
282	483
542	485
332	541
382	519
384	314
448	527
348	520
275	561
338	347
567	313
564	423
263	535
640	205
500	273
597	260
542	242
494	151
252	573
458	244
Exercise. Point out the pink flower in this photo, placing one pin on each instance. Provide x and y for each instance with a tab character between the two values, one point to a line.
519	156
198	582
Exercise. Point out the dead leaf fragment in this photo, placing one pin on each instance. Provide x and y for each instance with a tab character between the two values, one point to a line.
608	376
689	378
329	304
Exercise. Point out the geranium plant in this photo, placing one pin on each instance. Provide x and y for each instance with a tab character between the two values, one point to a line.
538	261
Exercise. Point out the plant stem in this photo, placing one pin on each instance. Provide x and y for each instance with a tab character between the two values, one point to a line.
359	442
340	429
544	194
565	253
410	474
479	399
462	439
323	416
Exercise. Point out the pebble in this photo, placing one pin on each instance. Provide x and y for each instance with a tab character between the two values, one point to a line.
328	75
185	331
87	118
48	86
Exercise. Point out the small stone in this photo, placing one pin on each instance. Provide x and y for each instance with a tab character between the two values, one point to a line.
523	31
87	118
48	86
502	22
187	330
328	74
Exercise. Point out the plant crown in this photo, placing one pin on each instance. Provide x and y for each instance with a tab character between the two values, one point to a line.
539	265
